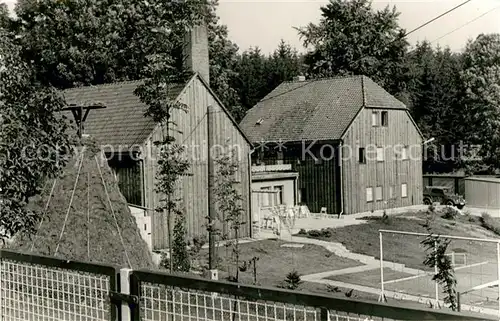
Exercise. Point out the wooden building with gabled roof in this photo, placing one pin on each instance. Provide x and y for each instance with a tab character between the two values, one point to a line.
355	146
125	133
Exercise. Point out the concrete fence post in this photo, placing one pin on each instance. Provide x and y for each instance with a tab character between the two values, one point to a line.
125	289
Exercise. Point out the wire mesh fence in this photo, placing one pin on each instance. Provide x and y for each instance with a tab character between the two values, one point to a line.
163	302
166	297
474	261
35	288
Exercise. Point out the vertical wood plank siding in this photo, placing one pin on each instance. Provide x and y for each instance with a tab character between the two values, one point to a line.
391	172
318	183
194	189
482	192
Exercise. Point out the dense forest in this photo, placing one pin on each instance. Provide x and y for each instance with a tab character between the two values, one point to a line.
49	45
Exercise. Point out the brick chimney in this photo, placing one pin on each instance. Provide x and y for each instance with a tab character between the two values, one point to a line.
196	51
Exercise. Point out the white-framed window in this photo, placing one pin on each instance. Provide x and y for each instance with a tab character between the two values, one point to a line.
265	198
362	155
404	153
375	118
369	194
391	192
272	198
279	195
384	120
404	190
380	154
378	193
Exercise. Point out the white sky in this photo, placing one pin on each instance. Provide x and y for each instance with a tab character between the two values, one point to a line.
264	22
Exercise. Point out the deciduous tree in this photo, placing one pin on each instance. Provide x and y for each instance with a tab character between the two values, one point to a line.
481	77
92	42
33	141
352	38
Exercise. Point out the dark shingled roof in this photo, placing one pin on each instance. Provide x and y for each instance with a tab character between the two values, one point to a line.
122	122
314	109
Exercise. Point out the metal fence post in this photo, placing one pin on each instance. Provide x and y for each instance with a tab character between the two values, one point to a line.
126	314
381	259
324	314
436	284
498	268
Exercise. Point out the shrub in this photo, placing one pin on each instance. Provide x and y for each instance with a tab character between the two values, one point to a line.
165	261
386	219
449	213
490	223
314	233
326	232
180	258
292	281
302	232
331	288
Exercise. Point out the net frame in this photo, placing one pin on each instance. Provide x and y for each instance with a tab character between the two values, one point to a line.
437	303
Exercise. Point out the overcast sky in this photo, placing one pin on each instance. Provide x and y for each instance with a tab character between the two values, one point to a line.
263	22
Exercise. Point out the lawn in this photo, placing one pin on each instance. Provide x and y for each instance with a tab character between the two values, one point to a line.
276	261
364	238
369	278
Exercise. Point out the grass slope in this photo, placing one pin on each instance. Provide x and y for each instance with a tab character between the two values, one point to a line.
276	261
364	238
104	244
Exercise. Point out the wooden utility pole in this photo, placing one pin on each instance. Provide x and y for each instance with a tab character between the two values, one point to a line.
211	185
80	114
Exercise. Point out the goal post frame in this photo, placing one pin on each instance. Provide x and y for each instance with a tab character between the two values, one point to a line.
382	296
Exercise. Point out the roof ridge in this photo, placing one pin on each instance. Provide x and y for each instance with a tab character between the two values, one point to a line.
121	82
109	84
322	79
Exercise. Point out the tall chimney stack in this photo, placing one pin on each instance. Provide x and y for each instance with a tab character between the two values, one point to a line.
196	51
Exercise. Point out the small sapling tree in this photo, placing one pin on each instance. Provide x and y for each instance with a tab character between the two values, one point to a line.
229	204
181	259
436	247
292	281
155	93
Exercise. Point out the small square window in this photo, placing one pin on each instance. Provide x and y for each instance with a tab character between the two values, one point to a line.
375	117
385	119
369	194
404	153
378	193
362	155
380	154
404	190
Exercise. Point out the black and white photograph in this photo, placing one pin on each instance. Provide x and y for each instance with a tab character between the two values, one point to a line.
249	160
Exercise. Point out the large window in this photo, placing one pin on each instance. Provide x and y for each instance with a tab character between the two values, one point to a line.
265	198
273	197
369	194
